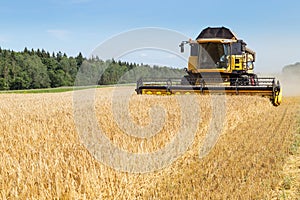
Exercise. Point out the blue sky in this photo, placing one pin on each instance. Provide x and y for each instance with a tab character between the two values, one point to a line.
271	28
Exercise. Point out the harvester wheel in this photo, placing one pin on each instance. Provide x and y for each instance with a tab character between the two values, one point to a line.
138	91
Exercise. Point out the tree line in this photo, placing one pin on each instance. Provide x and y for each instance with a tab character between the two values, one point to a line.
33	69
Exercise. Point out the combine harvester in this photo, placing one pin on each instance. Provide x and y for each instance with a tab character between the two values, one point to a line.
219	63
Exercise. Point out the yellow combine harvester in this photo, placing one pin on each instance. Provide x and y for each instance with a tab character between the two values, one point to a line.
219	63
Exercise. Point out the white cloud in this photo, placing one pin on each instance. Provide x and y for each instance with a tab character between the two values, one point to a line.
3	39
59	34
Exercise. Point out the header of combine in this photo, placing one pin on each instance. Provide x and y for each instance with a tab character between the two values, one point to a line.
219	62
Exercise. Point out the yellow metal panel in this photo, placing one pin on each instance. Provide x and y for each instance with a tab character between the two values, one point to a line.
237	62
229	67
210	70
193	62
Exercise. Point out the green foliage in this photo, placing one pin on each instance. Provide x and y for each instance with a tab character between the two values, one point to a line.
32	69
35	69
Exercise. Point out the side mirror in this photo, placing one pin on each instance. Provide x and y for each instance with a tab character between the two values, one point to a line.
243	47
237	48
181	47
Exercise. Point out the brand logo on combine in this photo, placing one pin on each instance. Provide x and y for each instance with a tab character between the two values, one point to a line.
106	144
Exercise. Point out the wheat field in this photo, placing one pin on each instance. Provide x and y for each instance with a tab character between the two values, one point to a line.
43	156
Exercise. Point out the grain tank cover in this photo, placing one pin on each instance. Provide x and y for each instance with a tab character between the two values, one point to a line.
218	32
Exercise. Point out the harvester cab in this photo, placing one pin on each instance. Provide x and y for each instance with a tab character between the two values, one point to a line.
219	62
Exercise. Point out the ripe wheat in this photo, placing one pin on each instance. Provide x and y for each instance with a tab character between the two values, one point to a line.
42	156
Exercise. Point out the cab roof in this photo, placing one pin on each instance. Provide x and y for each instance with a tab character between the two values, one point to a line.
216	33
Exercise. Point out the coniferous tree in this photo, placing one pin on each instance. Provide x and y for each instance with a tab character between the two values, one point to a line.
79	59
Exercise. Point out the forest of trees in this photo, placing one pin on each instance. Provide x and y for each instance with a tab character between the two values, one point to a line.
32	69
